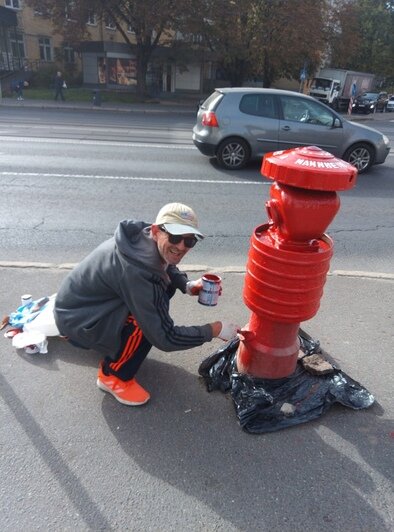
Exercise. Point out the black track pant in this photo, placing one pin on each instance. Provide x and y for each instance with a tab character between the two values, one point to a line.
133	351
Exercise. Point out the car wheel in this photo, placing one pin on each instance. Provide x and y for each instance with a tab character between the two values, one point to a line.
361	156
233	153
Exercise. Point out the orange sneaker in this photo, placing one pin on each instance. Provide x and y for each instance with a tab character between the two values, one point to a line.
126	392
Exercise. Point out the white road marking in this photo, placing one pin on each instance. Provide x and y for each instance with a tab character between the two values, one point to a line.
99	142
134	178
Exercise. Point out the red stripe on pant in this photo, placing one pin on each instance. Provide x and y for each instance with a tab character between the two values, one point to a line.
133	351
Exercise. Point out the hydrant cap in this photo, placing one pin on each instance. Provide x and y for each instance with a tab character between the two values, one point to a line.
309	167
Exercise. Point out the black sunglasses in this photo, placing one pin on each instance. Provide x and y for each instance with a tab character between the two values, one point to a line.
189	241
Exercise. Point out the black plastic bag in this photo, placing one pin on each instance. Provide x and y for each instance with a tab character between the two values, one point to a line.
267	405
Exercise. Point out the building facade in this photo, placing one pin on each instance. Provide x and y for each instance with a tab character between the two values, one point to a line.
28	41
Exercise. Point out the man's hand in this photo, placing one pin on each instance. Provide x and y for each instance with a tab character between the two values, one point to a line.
224	330
193	287
228	330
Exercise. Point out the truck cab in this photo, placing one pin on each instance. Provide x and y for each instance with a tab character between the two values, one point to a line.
326	90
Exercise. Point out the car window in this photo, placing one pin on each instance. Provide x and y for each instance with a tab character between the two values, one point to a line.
212	101
370	95
306	111
258	105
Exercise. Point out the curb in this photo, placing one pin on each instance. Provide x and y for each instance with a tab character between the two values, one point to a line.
167	107
193	268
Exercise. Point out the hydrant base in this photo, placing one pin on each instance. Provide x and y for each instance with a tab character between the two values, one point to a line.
267	405
265	365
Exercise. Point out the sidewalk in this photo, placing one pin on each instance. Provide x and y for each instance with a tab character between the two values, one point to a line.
102	465
184	106
159	106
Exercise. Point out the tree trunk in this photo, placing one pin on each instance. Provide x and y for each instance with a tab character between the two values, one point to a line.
142	68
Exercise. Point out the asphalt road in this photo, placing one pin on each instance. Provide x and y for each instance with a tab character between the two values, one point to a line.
67	178
75	459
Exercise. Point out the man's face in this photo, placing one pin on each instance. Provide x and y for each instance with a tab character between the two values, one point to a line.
170	253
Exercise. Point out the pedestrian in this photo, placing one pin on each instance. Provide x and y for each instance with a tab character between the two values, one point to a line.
59	86
18	88
116	301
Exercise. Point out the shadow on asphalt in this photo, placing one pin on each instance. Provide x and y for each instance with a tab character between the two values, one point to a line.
59	349
191	440
53	459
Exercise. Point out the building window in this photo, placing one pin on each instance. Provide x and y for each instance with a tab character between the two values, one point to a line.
39	9
91	18
17	44
14	4
193	38
109	23
44	44
69	9
69	53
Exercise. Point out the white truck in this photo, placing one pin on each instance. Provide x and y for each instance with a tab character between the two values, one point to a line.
333	86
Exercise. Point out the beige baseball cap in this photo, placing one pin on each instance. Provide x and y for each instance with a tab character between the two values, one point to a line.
178	219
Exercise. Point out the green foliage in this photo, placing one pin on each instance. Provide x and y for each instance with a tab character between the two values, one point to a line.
365	37
81	94
263	39
245	39
43	78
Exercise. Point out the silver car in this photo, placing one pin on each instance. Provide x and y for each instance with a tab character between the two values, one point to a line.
236	125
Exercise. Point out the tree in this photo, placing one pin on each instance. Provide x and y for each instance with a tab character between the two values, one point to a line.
266	39
227	30
153	22
345	38
365	37
291	35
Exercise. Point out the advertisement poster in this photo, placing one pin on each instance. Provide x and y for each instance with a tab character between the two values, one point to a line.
102	70
122	71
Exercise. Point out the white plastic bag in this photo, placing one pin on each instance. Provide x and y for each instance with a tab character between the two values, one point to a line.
33	338
44	322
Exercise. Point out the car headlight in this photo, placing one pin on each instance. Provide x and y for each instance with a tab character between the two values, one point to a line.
386	140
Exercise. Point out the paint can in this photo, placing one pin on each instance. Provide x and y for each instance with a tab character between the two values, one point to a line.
211	288
26	299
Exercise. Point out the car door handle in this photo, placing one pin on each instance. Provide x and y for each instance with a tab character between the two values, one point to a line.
286	128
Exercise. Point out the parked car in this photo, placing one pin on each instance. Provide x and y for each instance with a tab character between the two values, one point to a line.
390	105
238	124
369	102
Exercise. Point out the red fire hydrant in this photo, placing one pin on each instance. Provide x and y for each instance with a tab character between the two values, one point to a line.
289	256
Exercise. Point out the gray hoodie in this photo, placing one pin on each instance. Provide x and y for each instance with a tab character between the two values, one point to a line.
124	275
